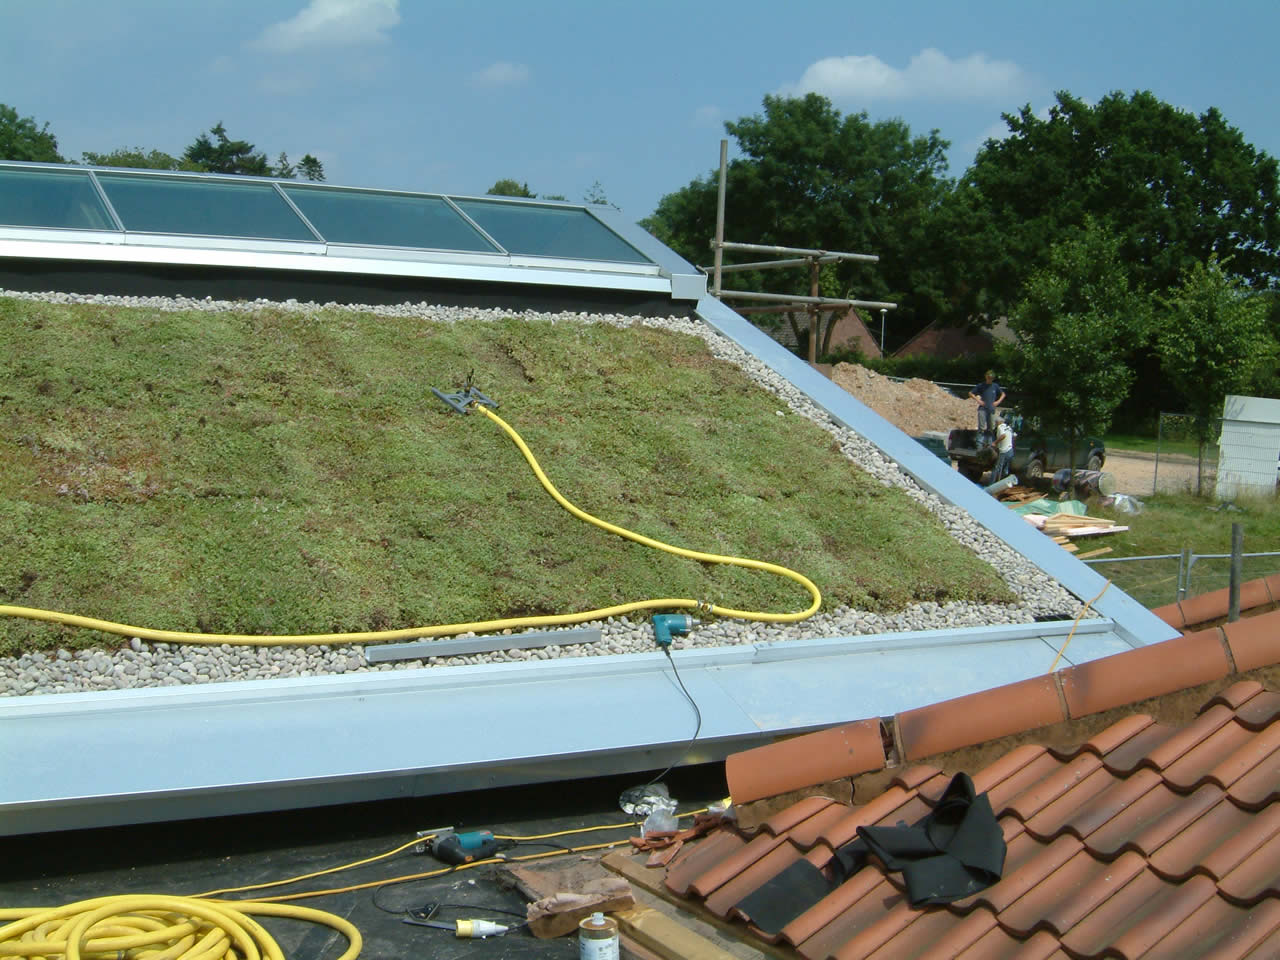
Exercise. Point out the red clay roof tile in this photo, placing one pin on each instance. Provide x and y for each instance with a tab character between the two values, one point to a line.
1124	678
1273	586
1255	642
786	820
801	761
979	717
1053	818
1104	807
1043	792
1070	893
1236	695
1256	876
1157	917
1171	613
1189	737
1198	764
1218	929
1209	845
1259	711
695	859
1113	737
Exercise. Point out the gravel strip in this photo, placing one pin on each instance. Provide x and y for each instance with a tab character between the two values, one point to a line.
139	664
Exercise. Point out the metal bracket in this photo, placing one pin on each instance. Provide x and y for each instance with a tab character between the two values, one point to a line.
462	399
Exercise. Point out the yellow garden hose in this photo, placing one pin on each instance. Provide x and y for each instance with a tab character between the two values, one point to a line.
479	626
156	927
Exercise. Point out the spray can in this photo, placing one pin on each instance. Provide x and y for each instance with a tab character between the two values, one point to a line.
598	938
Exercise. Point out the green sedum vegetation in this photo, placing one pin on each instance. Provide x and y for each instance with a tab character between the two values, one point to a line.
290	472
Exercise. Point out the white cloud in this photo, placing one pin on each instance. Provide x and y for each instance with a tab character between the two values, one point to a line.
931	75
501	74
331	23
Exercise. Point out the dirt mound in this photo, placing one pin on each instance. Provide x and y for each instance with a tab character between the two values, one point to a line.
915	406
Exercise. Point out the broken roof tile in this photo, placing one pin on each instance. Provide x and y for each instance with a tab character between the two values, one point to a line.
979	717
1156	857
805	760
1134	675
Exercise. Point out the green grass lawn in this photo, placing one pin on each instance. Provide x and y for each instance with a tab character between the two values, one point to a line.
1144	444
279	471
1171	521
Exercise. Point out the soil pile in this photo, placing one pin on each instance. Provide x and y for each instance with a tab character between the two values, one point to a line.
914	407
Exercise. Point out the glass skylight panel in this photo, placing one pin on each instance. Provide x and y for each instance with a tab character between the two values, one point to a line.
49	198
211	208
386	219
538	231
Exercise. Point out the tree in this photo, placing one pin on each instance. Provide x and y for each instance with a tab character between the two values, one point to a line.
283	168
510	188
1174	188
595	194
1078	319
1212	337
813	178
138	159
21	139
311	168
221	154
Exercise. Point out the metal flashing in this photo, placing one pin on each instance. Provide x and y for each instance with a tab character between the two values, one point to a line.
316	741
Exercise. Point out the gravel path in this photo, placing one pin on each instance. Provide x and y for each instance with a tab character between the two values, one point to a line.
138	664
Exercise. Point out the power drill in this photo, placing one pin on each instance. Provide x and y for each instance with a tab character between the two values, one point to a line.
458	848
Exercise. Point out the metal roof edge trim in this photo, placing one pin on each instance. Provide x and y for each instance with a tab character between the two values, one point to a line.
687	281
1134	622
316	263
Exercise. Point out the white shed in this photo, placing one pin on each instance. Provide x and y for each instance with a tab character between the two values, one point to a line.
1249	447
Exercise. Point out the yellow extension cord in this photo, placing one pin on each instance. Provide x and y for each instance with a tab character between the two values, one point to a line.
480	626
156	927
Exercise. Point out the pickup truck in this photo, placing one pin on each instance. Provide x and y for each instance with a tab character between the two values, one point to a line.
1034	453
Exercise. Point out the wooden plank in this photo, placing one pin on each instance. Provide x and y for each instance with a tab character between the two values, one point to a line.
1070	547
648	883
1093	531
1093	553
664	936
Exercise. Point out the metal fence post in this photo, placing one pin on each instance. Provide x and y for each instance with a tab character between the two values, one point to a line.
1237	569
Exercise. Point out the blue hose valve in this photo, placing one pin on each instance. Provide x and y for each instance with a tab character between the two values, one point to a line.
668	625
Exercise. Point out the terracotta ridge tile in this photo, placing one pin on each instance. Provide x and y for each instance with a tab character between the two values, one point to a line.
1234	696
979	717
802	761
1171	613
1254	642
1273	586
1150	671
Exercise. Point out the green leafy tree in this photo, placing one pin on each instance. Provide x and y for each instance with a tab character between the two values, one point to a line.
311	168
283	168
595	194
811	177
510	188
1175	189
138	159
21	139
218	153
1077	321
1212	338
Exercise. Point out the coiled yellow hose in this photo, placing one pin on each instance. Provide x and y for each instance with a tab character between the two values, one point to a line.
156	927
479	626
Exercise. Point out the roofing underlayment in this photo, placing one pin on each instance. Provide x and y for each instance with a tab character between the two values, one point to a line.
277	744
1148	839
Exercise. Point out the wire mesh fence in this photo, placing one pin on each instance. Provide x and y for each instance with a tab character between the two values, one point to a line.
1157	580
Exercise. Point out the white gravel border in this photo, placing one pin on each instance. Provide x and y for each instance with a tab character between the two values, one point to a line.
139	664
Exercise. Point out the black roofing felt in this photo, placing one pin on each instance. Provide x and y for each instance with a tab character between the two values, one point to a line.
188	857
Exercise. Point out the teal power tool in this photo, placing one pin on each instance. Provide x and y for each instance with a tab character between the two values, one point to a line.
668	625
459	848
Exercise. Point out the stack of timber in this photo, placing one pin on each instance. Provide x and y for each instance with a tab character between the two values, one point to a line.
1065	527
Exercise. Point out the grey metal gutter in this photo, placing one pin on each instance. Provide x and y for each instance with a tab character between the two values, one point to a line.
94	759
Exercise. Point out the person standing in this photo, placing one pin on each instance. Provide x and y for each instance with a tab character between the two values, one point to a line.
1004	449
989	395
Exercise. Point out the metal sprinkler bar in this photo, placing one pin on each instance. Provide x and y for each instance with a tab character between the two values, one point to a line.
461	400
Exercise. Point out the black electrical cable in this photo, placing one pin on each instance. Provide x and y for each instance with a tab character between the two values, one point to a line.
696	730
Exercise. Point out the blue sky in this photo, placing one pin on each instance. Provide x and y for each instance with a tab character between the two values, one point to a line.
451	96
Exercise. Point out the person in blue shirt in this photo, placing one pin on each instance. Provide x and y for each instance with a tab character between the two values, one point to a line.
989	395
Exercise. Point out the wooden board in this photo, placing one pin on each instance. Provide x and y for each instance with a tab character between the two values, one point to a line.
1093	553
647	884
